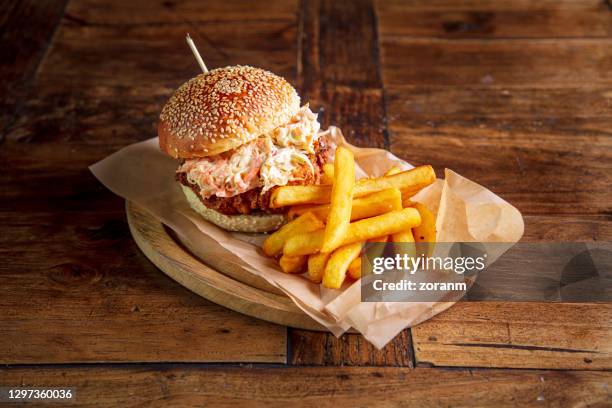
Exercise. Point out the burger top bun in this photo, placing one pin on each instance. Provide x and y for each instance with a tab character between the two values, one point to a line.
223	109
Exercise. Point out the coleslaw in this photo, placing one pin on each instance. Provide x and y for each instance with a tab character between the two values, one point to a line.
265	162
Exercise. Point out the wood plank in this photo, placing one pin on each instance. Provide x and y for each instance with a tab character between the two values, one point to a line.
334	35
499	102
21	54
151	44
558	166
495	18
226	285
143	13
518	108
556	140
567	228
131	72
100	299
66	247
324	349
65	192
525	335
472	62
527	118
195	385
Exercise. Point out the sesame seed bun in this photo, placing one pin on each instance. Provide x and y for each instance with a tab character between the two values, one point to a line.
224	109
241	223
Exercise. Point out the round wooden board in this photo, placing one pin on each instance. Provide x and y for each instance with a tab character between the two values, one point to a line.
174	260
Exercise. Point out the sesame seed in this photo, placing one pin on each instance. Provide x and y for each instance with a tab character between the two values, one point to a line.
227	102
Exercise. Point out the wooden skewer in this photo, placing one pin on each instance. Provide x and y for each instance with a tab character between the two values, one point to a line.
196	54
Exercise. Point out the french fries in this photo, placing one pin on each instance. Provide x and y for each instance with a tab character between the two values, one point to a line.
332	222
426	231
408	182
316	266
273	245
297	210
385	224
339	216
354	269
338	263
292	264
304	244
406	202
393	170
364	207
328	174
406	240
403	236
293	195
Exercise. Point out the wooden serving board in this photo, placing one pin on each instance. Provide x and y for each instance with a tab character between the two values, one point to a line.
170	255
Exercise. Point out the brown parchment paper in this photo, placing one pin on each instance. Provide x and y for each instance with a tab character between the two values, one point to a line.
465	212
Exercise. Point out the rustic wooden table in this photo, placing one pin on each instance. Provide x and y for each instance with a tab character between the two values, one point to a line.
515	94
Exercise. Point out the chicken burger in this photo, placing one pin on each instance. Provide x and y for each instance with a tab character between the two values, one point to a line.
239	132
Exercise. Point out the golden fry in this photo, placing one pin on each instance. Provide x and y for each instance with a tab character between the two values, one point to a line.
393	170
406	242
273	245
409	182
373	252
354	269
364	207
403	236
426	231
328	174
339	216
316	266
338	263
378	250
304	244
385	224
293	195
297	210
292	264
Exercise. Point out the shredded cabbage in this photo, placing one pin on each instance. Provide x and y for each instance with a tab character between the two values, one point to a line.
278	169
301	131
266	162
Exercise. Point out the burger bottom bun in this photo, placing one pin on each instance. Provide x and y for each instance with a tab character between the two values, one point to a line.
240	223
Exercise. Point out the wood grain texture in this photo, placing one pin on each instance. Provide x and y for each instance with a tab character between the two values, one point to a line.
495	92
492	78
536	109
75	286
558	166
495	18
196	386
578	228
339	75
22	50
216	285
504	62
499	102
96	96
338	68
320	349
525	335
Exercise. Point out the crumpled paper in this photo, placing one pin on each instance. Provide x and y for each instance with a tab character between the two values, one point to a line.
466	212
